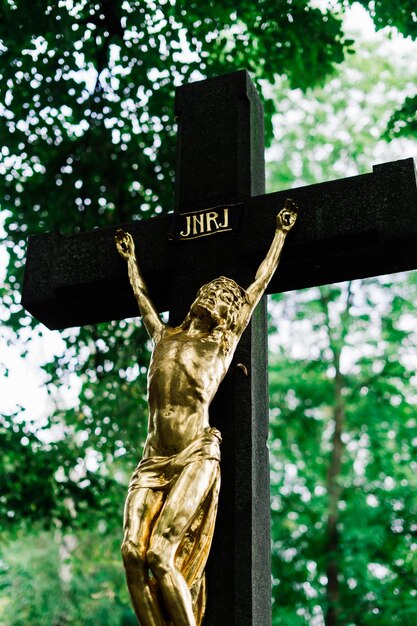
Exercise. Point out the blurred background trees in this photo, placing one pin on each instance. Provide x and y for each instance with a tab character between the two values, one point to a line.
343	454
88	139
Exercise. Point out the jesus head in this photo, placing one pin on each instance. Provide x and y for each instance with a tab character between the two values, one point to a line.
220	300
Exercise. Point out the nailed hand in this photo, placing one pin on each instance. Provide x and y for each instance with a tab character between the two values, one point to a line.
287	216
125	244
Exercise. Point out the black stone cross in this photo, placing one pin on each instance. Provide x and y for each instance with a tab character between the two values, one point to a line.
356	227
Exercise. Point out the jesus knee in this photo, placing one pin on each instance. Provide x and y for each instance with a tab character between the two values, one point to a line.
133	556
160	558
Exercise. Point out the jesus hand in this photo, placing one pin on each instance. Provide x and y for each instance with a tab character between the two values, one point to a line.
287	216
125	244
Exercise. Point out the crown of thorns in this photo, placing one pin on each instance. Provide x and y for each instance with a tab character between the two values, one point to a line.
228	283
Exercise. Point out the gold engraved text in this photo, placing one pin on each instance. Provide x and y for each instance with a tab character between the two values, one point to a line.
205	223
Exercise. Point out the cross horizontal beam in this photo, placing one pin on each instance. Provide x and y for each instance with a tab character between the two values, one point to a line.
351	228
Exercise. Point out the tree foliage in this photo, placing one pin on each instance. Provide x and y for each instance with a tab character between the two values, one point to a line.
87	98
400	16
344	407
339	129
55	579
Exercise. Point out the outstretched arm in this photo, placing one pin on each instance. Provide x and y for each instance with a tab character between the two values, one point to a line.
126	248
285	221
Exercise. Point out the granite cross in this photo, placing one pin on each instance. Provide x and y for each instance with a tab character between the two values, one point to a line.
356	227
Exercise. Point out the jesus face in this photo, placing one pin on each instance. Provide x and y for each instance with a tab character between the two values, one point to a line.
215	300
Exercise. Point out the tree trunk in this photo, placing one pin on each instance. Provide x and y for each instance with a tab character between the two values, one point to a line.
334	489
334	492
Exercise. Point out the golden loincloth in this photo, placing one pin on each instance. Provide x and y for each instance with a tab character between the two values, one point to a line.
161	472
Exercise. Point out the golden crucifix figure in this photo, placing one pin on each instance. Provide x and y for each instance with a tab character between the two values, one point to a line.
172	499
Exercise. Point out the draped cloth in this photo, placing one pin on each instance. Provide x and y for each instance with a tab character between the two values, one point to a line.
161	473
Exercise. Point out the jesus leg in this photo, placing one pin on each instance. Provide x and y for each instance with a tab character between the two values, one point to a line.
180	508
142	506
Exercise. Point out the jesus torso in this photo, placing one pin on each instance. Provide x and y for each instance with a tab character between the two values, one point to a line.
184	375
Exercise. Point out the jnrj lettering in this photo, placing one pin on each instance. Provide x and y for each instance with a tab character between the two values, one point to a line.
205	223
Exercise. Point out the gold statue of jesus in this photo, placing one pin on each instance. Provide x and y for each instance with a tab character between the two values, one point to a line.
172	500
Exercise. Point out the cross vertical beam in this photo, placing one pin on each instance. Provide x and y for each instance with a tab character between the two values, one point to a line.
220	159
